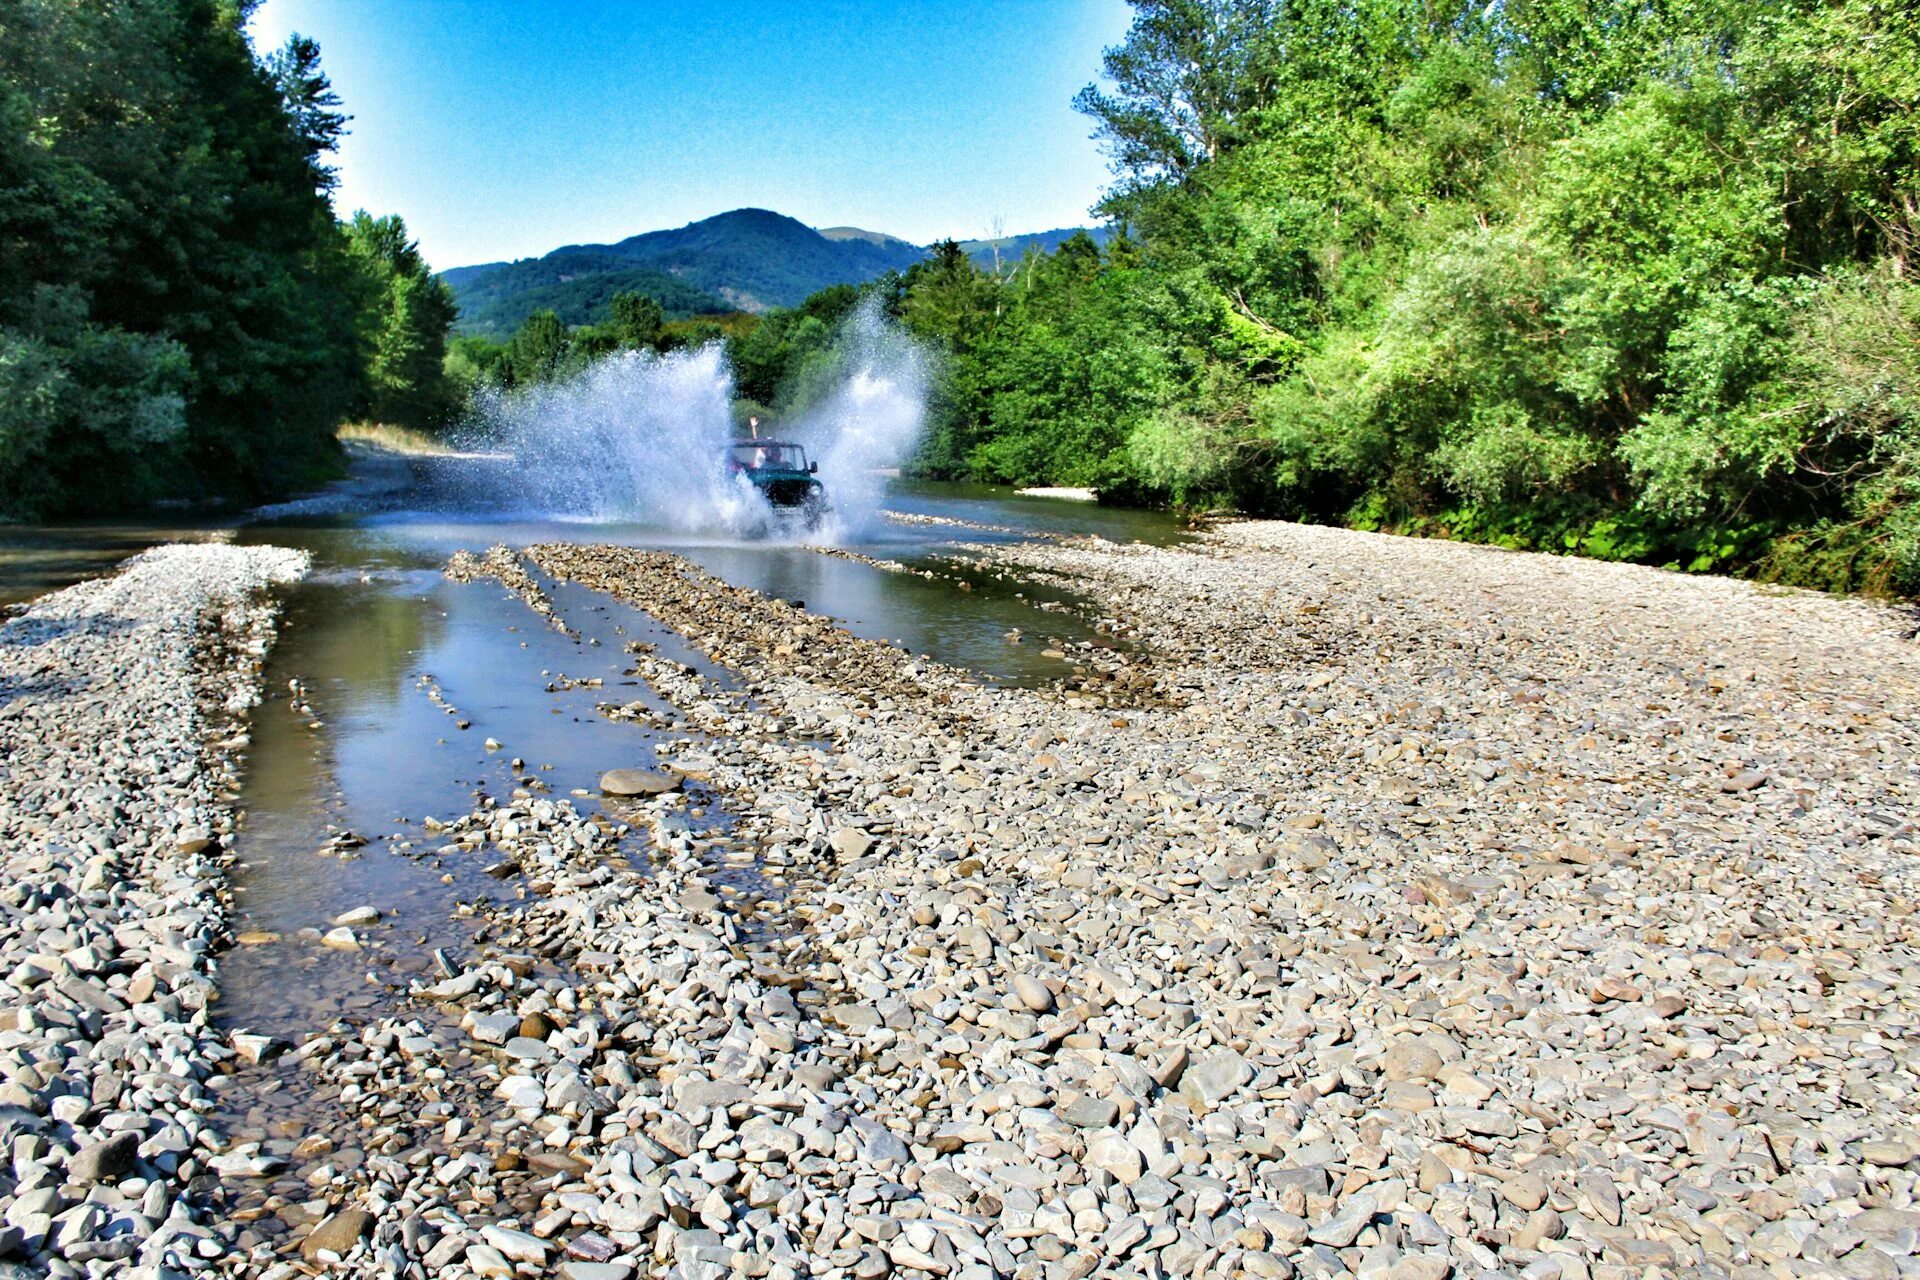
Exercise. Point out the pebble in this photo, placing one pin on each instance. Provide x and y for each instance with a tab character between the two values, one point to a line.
256	1049
575	1270
105	1161
1214	1078
1341	1230
1411	1060
517	1245
336	1235
1032	993
1887	1154
1527	1191
637	782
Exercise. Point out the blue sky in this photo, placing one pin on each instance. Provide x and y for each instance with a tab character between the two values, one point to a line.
505	128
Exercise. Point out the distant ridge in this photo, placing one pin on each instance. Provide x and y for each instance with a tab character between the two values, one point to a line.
860	233
746	259
1014	248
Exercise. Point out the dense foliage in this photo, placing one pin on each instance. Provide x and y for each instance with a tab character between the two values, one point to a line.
180	313
545	348
1623	278
999	253
405	314
1633	279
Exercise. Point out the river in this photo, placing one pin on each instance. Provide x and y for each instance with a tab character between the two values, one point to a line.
395	697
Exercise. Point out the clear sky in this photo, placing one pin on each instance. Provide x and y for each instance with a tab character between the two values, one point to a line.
506	128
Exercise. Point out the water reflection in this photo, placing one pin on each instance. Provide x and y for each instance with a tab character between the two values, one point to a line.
376	755
35	559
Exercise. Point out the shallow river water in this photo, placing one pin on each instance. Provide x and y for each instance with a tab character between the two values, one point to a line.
388	682
395	697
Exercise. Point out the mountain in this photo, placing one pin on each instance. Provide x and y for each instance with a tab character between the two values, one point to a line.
747	260
755	258
459	277
578	285
1014	248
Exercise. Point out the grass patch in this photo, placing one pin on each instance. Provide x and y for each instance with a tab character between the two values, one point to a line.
397	439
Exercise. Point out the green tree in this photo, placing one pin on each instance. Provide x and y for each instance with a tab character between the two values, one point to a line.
538	352
177	310
310	102
474	363
1188	74
407	316
768	350
1628	279
636	320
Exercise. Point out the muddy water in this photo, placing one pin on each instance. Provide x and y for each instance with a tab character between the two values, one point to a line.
384	692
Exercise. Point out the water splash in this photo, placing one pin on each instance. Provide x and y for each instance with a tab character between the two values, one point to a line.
636	437
869	421
640	438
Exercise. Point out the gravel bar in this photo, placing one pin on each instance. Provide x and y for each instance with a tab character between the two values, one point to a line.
120	702
1397	910
1437	912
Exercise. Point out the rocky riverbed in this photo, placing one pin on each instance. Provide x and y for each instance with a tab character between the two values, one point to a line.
1384	908
120	708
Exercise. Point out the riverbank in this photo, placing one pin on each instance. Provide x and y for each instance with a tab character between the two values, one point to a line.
122	700
1382	907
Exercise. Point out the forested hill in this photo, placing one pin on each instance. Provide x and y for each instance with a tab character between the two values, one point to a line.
756	258
182	316
746	260
578	285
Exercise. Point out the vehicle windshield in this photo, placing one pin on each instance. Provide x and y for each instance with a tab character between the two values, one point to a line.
762	455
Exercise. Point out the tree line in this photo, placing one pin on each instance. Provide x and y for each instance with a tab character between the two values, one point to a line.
181	313
1629	279
546	348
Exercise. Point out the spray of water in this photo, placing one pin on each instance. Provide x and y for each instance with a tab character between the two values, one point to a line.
635	437
641	438
869	421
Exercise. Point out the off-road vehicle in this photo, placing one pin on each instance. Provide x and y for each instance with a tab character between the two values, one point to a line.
780	471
